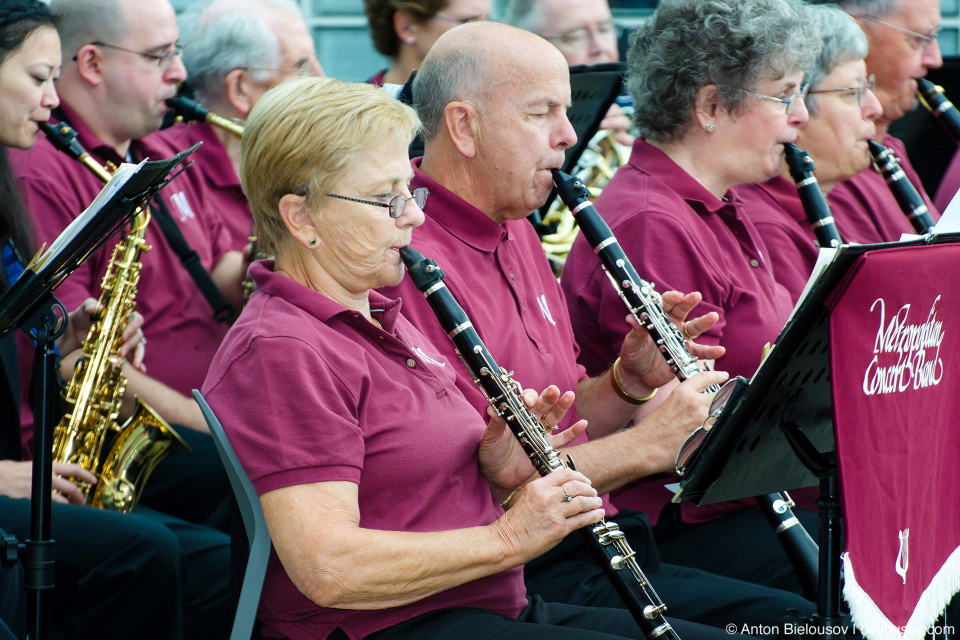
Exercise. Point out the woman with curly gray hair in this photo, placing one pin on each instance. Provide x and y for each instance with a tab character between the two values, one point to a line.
843	108
717	87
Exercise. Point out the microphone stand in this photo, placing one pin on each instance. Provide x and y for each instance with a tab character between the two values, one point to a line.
38	550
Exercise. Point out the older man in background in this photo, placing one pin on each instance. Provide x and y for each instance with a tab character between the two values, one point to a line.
236	50
583	31
903	46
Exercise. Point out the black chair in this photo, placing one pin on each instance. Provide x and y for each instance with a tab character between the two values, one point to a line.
257	536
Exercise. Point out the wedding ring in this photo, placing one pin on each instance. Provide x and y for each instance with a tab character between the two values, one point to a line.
683	329
567	498
143	340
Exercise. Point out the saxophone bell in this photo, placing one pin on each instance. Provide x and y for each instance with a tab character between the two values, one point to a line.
143	442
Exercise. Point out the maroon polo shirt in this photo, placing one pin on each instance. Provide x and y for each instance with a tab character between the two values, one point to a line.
775	209
221	185
501	277
310	391
178	321
865	209
678	236
949	184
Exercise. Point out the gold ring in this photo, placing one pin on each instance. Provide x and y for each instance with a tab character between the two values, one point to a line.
683	329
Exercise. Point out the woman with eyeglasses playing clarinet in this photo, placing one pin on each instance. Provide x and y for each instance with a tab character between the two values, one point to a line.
718	89
842	107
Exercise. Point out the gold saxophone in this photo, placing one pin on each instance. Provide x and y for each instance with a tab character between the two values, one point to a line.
96	389
188	110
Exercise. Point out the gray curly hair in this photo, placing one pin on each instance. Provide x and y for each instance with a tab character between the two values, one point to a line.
732	44
843	42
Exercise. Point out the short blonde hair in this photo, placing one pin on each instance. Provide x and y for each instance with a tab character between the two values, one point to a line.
303	135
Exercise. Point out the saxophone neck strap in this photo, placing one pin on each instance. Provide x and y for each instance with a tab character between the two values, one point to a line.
222	311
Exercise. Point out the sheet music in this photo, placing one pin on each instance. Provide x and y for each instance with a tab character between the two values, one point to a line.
824	258
950	220
119	178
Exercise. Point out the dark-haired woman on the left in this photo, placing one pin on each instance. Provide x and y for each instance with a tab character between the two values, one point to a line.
116	575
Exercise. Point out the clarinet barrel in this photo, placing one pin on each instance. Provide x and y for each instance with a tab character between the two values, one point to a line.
905	193
939	105
814	203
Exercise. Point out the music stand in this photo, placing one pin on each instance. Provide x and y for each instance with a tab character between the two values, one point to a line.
777	431
31	306
593	88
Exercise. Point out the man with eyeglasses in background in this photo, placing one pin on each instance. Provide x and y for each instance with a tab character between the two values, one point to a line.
903	46
122	61
236	50
583	31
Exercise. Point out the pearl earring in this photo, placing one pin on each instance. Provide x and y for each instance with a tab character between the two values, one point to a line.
409	40
710	128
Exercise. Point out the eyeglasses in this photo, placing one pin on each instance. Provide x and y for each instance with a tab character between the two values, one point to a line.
397	204
870	84
579	38
456	20
919	41
164	60
303	71
791	102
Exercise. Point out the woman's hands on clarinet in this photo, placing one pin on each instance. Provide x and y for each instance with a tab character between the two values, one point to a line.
544	511
642	366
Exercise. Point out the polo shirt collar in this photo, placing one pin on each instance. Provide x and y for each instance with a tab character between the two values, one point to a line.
85	135
460	218
654	162
785	192
315	303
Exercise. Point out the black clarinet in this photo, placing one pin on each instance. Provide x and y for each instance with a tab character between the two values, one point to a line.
906	194
814	203
939	105
504	394
646	306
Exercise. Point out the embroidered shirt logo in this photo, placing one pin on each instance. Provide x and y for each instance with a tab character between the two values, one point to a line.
181	202
426	358
545	310
903	555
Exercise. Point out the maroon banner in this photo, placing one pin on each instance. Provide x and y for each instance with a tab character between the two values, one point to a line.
895	358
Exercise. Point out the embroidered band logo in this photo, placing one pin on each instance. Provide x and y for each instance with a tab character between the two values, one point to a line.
180	200
427	358
903	556
544	309
904	355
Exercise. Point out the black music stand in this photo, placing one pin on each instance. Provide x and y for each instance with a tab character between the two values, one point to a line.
31	306
777	433
593	88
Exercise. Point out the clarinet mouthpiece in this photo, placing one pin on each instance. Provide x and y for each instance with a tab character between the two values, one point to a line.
423	272
189	110
569	189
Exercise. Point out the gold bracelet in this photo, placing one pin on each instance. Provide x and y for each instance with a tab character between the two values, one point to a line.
621	392
504	503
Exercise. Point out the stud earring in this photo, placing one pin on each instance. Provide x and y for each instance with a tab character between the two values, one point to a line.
313	242
710	128
409	40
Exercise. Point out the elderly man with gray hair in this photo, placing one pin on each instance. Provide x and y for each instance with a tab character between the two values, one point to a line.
235	50
583	31
487	164
903	46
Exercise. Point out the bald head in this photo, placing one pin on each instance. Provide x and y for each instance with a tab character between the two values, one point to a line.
467	62
81	22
